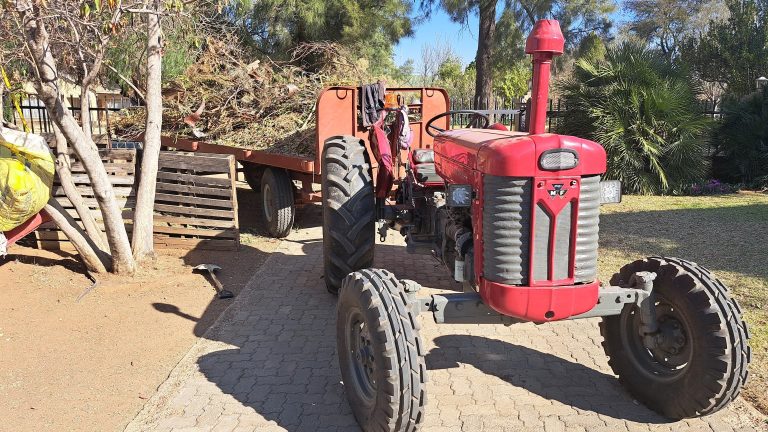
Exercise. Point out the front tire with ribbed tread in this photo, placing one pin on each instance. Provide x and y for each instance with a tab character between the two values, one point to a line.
349	209
389	394
715	369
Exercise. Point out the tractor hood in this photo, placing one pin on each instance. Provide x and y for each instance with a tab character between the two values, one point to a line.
514	154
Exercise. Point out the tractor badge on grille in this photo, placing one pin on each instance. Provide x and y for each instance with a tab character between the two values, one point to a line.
557	190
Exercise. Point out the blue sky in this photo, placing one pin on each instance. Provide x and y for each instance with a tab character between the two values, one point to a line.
440	27
463	40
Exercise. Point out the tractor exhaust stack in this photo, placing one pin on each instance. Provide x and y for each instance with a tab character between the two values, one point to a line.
544	42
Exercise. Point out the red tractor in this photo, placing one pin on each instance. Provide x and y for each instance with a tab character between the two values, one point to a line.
514	217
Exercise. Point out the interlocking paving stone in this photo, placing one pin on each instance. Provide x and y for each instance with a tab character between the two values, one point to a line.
269	364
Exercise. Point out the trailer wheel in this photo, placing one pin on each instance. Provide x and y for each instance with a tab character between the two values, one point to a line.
252	173
349	209
277	202
380	353
699	361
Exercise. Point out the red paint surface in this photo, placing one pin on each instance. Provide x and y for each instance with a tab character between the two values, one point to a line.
544	42
533	303
465	156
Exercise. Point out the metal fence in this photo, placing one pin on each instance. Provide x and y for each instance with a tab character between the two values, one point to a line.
511	112
38	120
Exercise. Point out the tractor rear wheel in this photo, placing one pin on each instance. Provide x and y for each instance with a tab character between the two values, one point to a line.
380	353
277	202
349	209
698	361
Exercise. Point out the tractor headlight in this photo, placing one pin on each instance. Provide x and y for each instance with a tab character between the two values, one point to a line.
459	196
610	191
558	160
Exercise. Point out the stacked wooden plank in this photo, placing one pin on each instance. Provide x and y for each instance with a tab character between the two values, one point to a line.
195	203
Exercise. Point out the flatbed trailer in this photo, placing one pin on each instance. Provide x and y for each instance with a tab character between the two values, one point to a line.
286	182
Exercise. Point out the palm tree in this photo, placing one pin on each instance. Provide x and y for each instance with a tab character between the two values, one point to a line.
742	138
643	110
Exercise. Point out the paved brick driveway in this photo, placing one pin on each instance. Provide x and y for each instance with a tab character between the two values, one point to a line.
269	364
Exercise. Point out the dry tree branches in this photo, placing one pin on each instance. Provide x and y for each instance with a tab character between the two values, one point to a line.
257	104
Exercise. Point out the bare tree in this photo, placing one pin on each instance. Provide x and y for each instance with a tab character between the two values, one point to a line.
432	56
30	22
143	245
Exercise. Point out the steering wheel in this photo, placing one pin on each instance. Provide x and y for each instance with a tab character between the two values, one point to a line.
474	121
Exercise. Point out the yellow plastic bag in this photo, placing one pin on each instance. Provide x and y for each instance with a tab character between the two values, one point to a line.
26	176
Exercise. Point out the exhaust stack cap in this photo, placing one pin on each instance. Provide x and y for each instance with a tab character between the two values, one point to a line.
545	37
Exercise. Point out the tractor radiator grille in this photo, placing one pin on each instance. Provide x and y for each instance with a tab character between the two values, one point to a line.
507	235
506	229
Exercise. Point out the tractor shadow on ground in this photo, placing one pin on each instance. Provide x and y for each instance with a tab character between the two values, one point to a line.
541	373
283	363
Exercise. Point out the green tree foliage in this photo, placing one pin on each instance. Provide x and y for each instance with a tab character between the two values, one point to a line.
591	48
742	139
512	82
733	52
458	81
643	110
277	26
500	38
664	23
127	56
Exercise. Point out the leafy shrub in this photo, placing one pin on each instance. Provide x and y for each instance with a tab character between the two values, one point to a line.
643	110
741	140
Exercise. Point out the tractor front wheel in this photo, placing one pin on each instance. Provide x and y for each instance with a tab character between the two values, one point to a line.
696	363
349	209
380	353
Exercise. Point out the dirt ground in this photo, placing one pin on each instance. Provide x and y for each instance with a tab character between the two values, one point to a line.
90	365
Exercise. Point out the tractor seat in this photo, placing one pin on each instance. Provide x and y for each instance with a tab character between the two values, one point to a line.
424	166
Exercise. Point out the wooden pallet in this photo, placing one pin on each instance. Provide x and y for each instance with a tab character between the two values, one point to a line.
195	203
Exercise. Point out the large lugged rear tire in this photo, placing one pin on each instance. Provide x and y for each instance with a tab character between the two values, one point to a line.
380	353
349	209
700	361
277	202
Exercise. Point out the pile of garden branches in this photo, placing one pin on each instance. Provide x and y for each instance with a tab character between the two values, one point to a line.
256	104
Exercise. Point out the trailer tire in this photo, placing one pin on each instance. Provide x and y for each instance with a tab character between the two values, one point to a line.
277	202
252	173
700	361
380	353
349	209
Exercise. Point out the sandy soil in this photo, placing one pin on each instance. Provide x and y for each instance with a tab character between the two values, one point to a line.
91	365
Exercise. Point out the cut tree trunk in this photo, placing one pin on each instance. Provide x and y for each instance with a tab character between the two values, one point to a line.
143	246
484	76
94	261
63	169
47	87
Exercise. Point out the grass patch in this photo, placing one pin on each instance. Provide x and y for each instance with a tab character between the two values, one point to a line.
727	234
